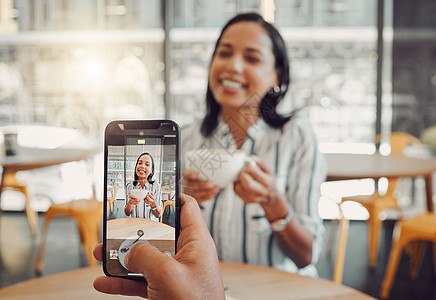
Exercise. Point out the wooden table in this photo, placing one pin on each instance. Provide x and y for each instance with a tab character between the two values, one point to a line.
240	282
34	158
125	230
376	166
128	227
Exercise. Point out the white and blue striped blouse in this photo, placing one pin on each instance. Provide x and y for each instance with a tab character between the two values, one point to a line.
240	231
143	210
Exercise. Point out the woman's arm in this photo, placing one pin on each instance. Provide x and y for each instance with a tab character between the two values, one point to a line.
130	200
258	186
154	199
155	209
128	206
304	168
294	240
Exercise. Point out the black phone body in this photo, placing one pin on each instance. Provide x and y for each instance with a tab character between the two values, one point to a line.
140	157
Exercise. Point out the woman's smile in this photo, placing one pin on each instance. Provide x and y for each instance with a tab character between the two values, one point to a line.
228	83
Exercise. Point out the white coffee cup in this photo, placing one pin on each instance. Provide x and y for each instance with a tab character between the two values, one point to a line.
221	166
139	193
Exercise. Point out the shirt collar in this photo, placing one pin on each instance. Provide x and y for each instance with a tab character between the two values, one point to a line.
254	132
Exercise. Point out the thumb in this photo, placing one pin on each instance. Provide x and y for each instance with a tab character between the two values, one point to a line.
145	259
261	164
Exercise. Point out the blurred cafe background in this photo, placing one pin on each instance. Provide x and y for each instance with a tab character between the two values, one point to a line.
67	68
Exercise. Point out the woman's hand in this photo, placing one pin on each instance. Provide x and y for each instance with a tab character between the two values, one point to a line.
201	190
257	185
133	200
149	199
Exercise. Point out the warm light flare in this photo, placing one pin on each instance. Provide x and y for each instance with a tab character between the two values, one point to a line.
94	68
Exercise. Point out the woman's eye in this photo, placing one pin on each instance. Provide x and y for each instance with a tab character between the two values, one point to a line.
252	59
224	54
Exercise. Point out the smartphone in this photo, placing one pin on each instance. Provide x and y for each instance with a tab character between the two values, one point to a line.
141	188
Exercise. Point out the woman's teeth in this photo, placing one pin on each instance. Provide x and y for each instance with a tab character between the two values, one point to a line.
231	84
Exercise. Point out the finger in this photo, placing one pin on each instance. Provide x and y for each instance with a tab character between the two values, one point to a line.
191	216
150	196
146	259
195	236
112	285
241	193
200	184
190	175
205	195
200	188
261	164
98	252
258	175
250	186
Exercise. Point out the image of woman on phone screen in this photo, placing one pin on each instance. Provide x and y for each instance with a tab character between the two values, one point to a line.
150	206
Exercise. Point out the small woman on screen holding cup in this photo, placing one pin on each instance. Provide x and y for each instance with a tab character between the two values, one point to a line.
148	207
269	215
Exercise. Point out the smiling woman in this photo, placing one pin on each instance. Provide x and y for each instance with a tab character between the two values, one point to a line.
269	215
143	195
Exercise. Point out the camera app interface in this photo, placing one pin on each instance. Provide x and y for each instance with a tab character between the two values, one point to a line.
141	204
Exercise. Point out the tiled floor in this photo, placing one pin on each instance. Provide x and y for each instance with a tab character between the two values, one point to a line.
18	252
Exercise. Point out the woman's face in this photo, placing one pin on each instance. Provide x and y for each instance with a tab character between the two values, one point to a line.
144	167
243	66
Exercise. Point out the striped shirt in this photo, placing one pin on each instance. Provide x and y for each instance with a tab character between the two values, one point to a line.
143	210
241	231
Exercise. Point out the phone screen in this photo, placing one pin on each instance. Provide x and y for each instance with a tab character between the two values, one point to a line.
141	190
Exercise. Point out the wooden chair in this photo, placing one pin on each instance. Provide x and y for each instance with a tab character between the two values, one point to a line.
112	197
420	228
376	202
87	213
341	249
10	182
338	269
167	201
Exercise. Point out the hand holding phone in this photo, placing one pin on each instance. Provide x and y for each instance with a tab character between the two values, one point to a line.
142	161
199	276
